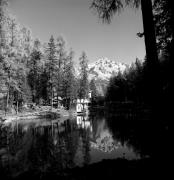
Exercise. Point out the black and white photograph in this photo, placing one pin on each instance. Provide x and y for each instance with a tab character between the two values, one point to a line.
86	89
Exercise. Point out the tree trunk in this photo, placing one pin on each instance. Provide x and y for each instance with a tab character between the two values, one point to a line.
52	95
152	64
8	93
171	65
57	101
17	107
149	33
168	110
7	102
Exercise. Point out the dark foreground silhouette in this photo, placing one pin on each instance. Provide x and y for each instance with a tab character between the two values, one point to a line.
111	169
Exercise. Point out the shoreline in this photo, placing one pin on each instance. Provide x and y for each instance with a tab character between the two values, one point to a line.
50	114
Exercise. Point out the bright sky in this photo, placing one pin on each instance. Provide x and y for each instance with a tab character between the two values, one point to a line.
81	29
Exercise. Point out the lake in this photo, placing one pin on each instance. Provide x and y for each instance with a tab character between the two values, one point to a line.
48	146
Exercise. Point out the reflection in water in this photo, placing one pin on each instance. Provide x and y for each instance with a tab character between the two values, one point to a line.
103	138
50	146
83	122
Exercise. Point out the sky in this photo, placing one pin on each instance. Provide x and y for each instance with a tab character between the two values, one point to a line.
82	29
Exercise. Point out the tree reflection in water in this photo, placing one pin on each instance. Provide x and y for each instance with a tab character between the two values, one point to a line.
50	146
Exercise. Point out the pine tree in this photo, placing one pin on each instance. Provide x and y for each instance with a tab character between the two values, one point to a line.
68	80
61	64
51	68
34	65
83	84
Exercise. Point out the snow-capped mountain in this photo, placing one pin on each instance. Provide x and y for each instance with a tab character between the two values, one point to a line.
101	71
104	68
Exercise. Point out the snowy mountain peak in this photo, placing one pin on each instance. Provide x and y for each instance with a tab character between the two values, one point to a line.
105	68
101	71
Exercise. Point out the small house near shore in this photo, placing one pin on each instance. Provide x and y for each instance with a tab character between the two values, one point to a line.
82	104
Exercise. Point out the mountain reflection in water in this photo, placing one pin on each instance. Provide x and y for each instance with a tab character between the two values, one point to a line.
50	146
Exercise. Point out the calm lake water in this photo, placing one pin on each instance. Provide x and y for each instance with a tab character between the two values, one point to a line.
40	146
